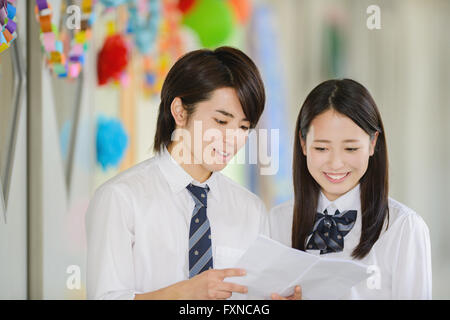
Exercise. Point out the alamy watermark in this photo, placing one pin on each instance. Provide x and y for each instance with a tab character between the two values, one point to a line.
73	21
216	147
73	281
374	20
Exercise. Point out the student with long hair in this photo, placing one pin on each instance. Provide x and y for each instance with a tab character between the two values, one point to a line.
171	226
341	205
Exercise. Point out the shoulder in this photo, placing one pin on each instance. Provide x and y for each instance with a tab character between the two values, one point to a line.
280	221
405	219
128	180
237	191
284	209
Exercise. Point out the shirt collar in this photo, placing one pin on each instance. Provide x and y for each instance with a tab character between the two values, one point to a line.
349	201
178	179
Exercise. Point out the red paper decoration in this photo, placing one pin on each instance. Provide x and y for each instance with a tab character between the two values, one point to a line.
112	59
185	5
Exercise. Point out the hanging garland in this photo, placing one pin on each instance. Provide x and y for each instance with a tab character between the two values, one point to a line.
144	26
168	48
143	21
7	23
65	51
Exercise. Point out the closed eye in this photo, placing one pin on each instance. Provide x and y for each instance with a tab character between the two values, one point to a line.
351	149
220	121
320	149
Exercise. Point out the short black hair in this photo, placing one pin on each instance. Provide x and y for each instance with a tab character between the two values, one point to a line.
197	74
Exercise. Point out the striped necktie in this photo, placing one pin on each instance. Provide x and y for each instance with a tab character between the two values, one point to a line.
329	231
200	251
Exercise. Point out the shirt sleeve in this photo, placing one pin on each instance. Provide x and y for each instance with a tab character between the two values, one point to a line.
110	239
280	224
411	277
264	221
273	224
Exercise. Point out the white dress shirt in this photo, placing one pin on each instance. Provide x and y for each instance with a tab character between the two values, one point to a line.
138	222
400	260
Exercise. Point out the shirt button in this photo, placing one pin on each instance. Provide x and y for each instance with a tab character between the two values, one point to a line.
196	252
203	195
209	236
339	236
310	246
326	234
197	221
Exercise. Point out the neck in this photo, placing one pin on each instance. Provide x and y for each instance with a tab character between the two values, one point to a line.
329	196
195	170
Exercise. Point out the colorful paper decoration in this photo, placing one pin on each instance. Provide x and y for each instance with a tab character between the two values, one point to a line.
168	48
112	59
8	26
212	20
112	141
112	3
143	23
242	10
65	50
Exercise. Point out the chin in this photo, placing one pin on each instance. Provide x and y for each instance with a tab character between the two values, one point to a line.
336	190
215	167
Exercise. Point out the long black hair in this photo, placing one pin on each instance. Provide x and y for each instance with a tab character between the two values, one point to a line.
353	100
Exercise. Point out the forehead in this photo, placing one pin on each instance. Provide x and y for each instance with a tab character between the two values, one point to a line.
225	99
334	126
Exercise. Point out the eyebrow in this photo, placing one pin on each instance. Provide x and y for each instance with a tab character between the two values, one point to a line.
328	141
227	114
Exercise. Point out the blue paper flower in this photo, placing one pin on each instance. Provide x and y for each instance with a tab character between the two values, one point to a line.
112	141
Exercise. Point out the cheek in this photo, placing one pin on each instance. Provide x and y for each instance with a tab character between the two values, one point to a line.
235	140
316	160
359	161
241	140
358	165
212	133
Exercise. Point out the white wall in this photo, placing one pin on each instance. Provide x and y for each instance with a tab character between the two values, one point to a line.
13	231
56	213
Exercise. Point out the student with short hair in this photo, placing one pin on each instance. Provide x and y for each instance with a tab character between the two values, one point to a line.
171	226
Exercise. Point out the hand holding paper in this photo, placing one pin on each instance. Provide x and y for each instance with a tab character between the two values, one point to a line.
275	268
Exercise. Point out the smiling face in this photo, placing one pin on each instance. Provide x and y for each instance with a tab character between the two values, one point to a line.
213	133
337	152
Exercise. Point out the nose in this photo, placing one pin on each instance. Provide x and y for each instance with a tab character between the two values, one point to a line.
233	139
335	161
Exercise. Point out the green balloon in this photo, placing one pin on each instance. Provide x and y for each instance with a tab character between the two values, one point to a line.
212	20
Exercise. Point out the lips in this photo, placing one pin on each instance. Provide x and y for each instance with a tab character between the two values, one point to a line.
336	177
224	156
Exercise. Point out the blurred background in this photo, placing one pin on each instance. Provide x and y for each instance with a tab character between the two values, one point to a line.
79	95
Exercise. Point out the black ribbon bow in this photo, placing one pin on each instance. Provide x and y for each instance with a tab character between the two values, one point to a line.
329	231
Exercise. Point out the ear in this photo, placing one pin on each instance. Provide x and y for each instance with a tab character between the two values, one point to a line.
179	114
373	143
303	143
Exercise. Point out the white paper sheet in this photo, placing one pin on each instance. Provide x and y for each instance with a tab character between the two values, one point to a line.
275	268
